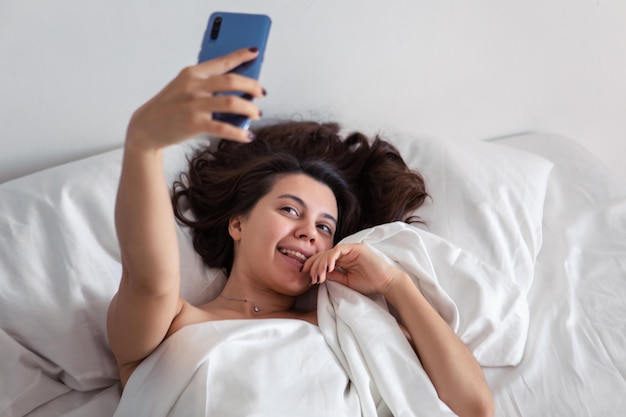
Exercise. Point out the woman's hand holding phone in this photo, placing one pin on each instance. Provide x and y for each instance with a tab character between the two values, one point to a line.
185	107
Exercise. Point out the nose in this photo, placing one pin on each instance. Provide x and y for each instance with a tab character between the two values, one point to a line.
307	231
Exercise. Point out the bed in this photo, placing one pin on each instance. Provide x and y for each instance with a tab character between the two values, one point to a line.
534	208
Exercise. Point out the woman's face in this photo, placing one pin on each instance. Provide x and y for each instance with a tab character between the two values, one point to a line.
296	219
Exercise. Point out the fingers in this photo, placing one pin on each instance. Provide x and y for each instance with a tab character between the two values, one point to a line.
193	87
198	88
185	107
225	63
235	82
226	104
213	76
230	104
323	266
228	131
352	265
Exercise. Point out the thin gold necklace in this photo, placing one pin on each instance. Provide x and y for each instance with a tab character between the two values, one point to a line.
243	300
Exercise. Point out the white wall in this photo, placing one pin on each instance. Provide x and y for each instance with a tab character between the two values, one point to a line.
72	71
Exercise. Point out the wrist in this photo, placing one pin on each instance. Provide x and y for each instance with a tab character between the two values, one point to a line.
397	284
138	157
139	136
404	292
138	143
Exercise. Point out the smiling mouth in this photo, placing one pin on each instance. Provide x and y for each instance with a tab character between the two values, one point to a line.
293	254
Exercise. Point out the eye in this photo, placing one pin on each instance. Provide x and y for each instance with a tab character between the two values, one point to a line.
290	210
326	228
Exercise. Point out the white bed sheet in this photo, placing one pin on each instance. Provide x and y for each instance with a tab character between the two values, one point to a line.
59	265
575	359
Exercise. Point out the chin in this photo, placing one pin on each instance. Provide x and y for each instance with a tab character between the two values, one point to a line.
297	286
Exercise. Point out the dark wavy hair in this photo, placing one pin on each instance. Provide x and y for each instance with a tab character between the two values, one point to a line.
386	188
370	180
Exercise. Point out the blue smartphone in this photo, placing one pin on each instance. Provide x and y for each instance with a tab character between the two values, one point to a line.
228	32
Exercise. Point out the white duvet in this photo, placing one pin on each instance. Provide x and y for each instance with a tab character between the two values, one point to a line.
270	367
280	367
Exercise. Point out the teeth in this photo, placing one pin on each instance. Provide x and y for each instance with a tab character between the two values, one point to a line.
298	255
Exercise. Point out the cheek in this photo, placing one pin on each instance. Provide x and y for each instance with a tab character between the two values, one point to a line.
274	228
326	243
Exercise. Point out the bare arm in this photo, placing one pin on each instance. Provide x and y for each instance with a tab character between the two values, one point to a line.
452	368
450	365
148	298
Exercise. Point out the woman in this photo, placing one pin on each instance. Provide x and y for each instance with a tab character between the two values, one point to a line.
280	232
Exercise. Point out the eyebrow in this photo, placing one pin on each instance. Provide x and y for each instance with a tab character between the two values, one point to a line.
303	204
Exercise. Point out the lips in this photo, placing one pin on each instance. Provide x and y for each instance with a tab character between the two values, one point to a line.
294	254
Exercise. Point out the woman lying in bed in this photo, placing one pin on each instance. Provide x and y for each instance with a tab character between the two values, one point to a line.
269	212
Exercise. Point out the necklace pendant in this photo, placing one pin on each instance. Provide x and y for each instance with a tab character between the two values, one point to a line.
256	309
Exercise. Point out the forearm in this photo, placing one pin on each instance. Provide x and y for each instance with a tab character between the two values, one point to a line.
452	368
145	222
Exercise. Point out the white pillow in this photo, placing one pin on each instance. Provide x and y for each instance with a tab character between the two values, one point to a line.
486	198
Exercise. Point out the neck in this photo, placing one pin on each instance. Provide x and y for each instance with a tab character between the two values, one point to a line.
253	299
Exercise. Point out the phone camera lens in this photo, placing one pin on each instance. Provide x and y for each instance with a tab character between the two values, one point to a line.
215	30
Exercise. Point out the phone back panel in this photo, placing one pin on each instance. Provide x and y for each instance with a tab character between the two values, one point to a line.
237	31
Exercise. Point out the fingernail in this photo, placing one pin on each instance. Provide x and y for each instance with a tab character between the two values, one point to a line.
318	280
253	49
251	136
260	113
264	92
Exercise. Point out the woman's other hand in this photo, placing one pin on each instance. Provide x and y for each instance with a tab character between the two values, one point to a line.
355	266
184	108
